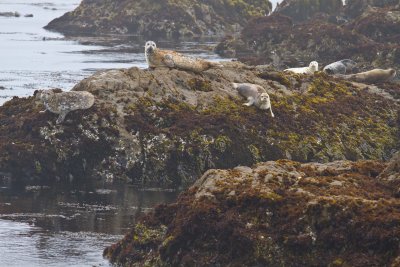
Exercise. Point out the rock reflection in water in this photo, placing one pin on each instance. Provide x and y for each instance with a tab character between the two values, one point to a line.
43	226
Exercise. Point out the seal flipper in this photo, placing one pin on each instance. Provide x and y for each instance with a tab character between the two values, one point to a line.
251	101
61	117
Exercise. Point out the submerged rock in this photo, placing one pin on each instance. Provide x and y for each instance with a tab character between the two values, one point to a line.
166	127
277	213
159	18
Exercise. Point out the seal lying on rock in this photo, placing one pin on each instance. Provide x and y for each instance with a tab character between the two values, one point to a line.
255	94
166	58
64	102
313	67
340	67
371	76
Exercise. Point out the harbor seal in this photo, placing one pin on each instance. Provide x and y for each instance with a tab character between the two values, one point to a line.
313	67
64	102
371	76
156	57
340	67
255	94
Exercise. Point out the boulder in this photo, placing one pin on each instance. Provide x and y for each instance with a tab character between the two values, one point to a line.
276	213
159	18
165	127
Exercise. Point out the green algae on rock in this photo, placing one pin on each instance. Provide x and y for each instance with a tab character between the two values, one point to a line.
160	18
166	127
281	213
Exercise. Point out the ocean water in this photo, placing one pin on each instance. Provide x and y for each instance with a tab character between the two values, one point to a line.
41	226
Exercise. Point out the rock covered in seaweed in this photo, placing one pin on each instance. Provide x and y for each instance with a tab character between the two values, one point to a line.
289	38
301	10
280	213
159	18
167	127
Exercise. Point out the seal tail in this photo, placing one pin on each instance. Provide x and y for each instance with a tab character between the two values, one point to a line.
215	65
235	85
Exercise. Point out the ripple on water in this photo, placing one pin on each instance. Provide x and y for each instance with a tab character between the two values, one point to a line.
25	245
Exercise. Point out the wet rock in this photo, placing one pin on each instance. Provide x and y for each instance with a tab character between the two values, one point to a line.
164	128
159	19
28	16
9	14
278	213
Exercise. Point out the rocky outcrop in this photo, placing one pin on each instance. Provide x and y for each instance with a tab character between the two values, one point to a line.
166	127
301	10
391	175
277	213
289	38
159	18
355	8
379	24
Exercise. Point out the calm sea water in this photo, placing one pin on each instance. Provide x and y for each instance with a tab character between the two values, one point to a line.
68	227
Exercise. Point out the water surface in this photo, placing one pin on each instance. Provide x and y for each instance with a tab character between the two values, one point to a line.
43	226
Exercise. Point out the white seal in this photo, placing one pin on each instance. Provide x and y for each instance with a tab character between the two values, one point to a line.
313	67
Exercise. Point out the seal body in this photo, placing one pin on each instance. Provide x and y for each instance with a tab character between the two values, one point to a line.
340	67
166	58
372	76
255	95
64	102
313	67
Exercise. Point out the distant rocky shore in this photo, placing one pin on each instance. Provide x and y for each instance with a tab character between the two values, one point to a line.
299	32
159	19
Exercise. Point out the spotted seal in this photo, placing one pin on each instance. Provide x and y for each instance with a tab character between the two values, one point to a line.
371	76
255	95
156	57
64	102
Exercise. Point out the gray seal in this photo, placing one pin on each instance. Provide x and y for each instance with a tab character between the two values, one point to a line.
255	95
340	67
64	102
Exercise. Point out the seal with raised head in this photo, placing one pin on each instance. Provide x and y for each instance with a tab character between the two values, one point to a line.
340	67
371	76
156	57
64	102
313	67
255	95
